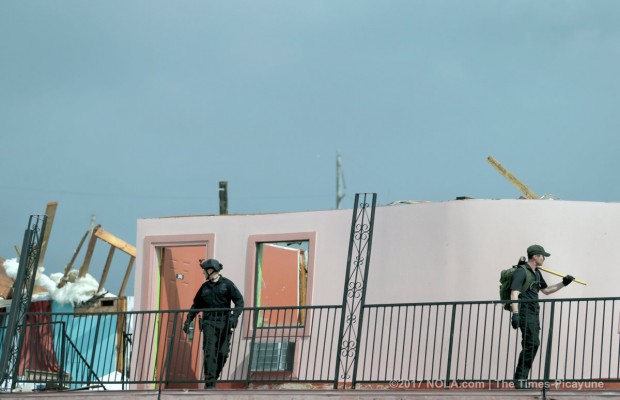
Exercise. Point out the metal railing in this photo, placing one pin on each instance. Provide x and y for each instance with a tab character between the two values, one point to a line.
448	344
409	346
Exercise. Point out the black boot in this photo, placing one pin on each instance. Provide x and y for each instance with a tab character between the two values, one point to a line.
521	384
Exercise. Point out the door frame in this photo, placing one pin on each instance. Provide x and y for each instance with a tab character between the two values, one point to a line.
149	299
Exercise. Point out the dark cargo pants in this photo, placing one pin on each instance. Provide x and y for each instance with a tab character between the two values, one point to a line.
530	341
216	346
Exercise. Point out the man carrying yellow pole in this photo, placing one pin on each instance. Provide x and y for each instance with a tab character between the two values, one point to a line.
560	275
526	282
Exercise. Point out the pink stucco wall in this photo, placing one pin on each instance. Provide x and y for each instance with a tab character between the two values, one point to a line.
421	252
455	250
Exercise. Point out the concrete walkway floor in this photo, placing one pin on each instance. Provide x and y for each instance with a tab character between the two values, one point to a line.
319	395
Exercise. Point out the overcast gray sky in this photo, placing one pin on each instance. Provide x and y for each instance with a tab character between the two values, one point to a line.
137	109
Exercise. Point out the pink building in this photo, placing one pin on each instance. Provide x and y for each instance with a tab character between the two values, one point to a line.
422	252
447	251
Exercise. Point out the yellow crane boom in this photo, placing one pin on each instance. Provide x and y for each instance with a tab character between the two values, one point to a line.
512	179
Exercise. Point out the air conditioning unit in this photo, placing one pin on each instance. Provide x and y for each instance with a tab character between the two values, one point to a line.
273	356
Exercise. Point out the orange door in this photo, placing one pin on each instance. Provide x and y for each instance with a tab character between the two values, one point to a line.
280	284
181	277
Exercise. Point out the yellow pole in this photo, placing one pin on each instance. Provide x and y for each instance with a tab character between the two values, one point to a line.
560	275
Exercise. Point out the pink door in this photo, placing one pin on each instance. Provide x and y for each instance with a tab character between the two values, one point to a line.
181	277
280	284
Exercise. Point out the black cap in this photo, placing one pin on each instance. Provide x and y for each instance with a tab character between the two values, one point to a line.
536	249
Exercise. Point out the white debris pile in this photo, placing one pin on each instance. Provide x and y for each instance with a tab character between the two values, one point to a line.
76	290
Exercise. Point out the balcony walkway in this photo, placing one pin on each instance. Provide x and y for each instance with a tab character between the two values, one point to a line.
407	352
359	394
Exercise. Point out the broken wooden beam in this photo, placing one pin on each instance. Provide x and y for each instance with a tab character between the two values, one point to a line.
116	242
63	280
89	253
50	211
127	273
108	262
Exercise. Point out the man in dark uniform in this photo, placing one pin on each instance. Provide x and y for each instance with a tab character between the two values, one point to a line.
525	316
216	325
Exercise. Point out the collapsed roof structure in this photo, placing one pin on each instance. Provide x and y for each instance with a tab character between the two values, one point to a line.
72	286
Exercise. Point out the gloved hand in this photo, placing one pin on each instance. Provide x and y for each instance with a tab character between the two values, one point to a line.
232	322
186	326
514	321
567	280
